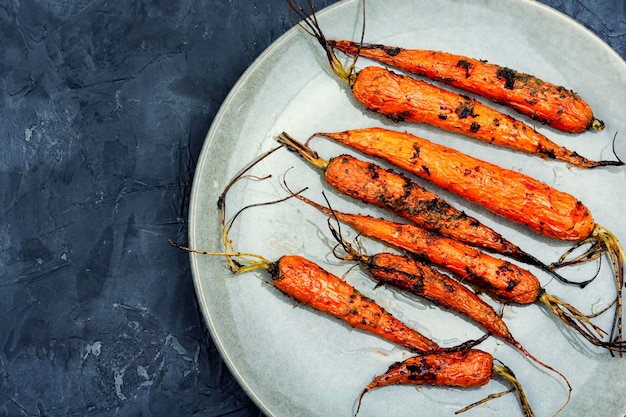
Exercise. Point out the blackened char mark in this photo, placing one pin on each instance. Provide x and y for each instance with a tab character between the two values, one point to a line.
466	65
423	372
465	109
509	77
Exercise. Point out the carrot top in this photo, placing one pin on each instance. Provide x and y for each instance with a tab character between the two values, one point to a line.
311	26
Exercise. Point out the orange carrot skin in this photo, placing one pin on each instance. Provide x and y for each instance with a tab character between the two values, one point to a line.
509	193
372	184
548	103
406	99
310	284
466	369
407	274
501	278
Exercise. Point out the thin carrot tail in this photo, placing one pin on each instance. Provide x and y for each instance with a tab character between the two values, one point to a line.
550	368
507	374
360	400
588	163
469	344
529	259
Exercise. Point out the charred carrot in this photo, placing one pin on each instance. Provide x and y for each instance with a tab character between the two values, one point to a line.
409	275
395	192
308	283
511	194
466	369
546	102
403	98
502	279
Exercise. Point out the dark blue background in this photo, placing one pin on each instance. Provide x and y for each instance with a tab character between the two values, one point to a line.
104	106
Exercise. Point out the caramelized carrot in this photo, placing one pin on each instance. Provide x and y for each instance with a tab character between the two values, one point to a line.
409	275
511	194
466	369
548	103
308	283
417	278
403	98
470	368
500	278
395	192
508	193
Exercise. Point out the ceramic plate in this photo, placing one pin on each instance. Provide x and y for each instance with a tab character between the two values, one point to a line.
295	362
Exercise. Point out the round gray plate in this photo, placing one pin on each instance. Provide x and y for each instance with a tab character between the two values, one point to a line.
295	362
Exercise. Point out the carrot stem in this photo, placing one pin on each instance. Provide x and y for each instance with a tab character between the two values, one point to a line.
507	374
426	282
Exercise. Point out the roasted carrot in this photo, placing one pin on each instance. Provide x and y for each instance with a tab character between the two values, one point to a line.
502	279
403	98
308	283
548	103
508	193
409	275
466	369
511	194
395	192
